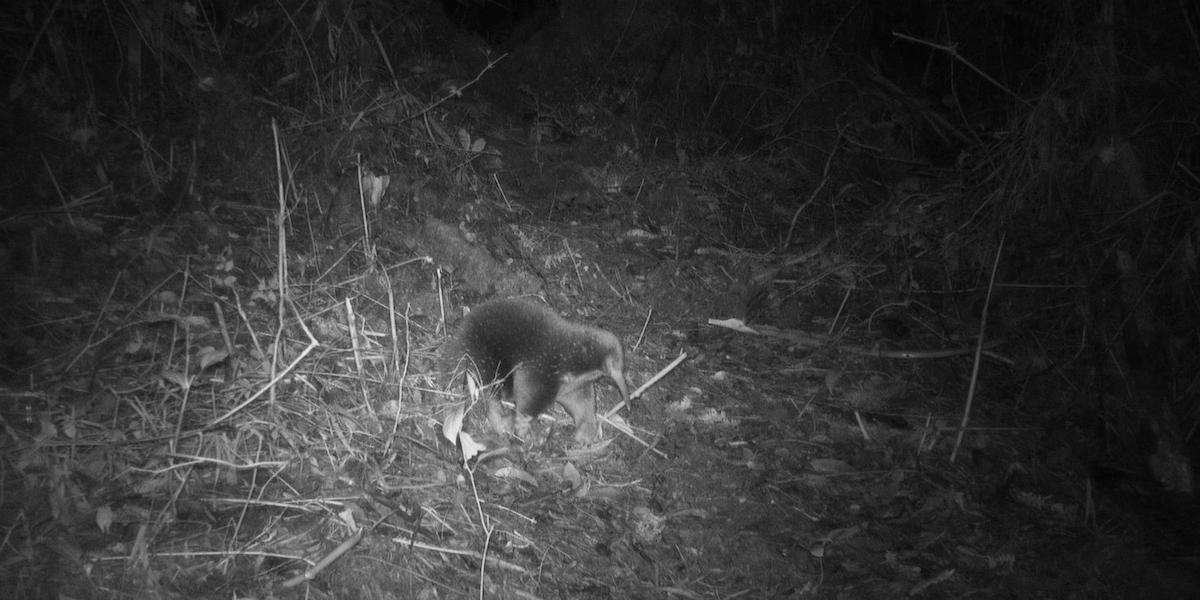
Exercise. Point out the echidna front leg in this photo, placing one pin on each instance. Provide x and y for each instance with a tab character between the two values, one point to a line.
496	418
523	428
580	403
527	388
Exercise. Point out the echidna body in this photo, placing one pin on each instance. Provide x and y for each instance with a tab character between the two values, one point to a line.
537	358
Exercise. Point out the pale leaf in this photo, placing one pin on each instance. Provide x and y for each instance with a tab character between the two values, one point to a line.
104	518
470	447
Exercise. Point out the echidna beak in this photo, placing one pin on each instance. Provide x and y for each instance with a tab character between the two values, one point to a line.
616	370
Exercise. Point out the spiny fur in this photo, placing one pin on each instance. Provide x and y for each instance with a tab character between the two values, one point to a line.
537	357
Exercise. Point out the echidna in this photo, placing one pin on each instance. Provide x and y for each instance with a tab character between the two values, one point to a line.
536	357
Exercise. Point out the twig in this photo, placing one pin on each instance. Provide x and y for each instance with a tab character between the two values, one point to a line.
625	429
284	301
356	350
862	427
925	354
485	523
1191	28
310	573
193	459
280	230
620	40
645	386
195	553
804	339
62	198
642	333
33	46
978	352
574	263
495	562
813	196
952	50
88	345
368	247
455	92
841	307
836	28
396	368
237	299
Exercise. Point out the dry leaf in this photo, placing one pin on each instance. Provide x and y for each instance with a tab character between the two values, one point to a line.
453	423
470	448
510	472
830	465
104	518
209	356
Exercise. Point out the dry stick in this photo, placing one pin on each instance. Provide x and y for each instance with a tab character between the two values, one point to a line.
628	431
952	50
411	542
407	357
813	196
237	300
88	345
169	510
618	43
387	447
284	301
441	326
193	460
485	523
575	264
224	328
606	417
862	427
1186	21
193	553
310	573
33	46
453	92
182	297
618	293
926	354
356	347
312	67
368	248
1126	214
642	333
841	307
524	595
657	376
645	386
334	265
251	500
383	53
824	51
812	340
187	356
62	199
280	248
503	195
978	352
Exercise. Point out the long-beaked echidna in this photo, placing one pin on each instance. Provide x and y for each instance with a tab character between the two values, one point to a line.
536	358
